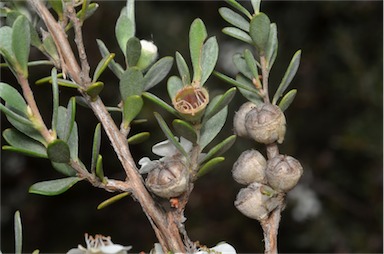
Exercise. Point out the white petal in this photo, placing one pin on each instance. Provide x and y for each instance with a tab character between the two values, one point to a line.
147	165
115	249
164	148
224	248
186	144
75	251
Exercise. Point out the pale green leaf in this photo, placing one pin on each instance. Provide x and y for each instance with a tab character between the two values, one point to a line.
242	66
183	69
161	103
272	46
102	65
174	85
21	39
238	34
224	100
288	76
112	200
209	55
157	72
64	168
184	129
259	30
287	100
113	66
251	63
18	233
133	51
53	187
12	97
131	83
138	138
197	36
234	18
58	151
96	146
239	7
132	106
209	166
23	144
124	29
220	148
94	90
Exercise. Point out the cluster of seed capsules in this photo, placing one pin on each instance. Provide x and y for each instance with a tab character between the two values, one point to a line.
267	180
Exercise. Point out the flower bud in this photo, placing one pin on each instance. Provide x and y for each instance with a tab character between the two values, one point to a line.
249	167
283	172
239	119
169	179
191	102
266	124
148	54
257	201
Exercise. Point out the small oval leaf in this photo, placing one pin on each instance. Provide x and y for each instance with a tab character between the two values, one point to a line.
287	100
220	148
272	46
157	72
242	66
174	85
94	90
138	138
21	39
99	169
64	168
209	55
259	30
53	187
102	65
224	100
58	151
288	76
124	29
160	103
238	34
234	18
183	69
132	106
18	233
185	130
197	36
131	83
133	51
12	97
115	67
23	144
209	166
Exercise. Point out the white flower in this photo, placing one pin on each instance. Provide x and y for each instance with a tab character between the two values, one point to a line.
166	149
100	245
223	248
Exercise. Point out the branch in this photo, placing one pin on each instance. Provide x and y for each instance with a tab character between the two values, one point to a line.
166	230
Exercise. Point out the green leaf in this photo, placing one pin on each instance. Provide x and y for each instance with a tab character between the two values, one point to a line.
133	51
157	72
73	142
259	30
23	144
124	29
12	97
64	168
234	18
112	200
272	46
50	48
94	90
21	40
132	106
58	151
220	148
256	6
209	166
185	130
67	83
242	66
183	69
251	63
209	55
197	36
102	65
138	138
248	89
174	85
239	7
55	92
6	45
96	146
99	169
131	83
237	34
168	133
224	100
18	233
115	67
53	187
287	100
160	103
212	127
66	120
288	76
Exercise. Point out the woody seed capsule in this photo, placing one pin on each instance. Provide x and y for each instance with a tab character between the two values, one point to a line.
239	119
249	167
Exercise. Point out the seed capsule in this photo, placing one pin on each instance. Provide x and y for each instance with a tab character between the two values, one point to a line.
239	119
249	167
283	172
266	124
257	201
169	179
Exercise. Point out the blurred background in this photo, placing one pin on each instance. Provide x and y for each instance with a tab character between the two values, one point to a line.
335	128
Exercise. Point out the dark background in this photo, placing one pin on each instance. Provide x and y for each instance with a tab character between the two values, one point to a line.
335	128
